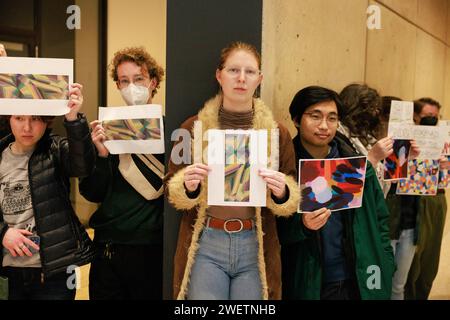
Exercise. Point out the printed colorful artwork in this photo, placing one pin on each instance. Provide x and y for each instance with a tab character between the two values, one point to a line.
422	178
132	129
334	184
34	86
444	177
237	168
396	165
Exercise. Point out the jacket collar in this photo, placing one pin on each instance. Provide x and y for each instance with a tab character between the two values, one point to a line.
302	153
42	143
209	115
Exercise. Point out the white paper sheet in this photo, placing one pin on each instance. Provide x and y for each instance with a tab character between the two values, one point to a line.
401	120
216	161
430	141
35	66
401	127
149	111
445	127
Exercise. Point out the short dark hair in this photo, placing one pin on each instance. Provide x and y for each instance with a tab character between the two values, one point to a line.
309	96
5	127
420	103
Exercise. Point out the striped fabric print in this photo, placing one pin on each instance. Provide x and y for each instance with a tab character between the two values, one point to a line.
237	168
34	86
133	129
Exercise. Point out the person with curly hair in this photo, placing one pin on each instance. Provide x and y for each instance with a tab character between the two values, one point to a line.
129	222
362	123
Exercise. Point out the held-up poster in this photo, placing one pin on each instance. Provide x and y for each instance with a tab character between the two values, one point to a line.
235	157
133	129
400	119
422	180
335	184
396	165
445	128
35	86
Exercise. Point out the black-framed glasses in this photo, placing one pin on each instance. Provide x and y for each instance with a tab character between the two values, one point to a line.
318	117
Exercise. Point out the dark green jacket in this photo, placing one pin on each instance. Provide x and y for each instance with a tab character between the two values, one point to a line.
367	239
124	216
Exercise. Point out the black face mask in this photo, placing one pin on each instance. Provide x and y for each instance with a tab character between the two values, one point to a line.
428	121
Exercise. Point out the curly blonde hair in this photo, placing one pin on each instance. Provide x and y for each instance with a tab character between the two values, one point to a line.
141	57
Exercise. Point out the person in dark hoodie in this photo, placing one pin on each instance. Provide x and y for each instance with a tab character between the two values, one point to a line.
344	255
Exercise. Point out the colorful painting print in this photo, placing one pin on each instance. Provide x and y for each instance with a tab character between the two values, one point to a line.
396	165
34	86
422	178
132	129
237	168
444	177
334	184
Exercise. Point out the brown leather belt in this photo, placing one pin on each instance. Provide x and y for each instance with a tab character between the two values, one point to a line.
230	225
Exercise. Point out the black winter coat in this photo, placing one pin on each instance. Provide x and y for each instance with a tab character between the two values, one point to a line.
64	241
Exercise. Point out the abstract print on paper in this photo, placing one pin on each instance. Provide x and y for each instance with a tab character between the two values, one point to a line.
237	168
396	165
422	178
444	177
34	86
132	129
334	184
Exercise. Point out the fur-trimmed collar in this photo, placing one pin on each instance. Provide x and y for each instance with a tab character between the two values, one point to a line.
209	115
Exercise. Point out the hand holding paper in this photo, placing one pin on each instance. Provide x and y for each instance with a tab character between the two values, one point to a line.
75	101
381	150
195	174
98	138
2	51
415	150
316	219
276	182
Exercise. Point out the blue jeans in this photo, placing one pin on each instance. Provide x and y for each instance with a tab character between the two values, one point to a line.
26	284
404	250
226	267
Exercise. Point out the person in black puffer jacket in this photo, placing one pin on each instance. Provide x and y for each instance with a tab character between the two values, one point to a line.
42	239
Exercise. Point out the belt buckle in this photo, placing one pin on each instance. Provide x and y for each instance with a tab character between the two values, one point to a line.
240	229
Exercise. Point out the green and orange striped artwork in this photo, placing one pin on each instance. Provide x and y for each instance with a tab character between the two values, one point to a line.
132	129
237	168
34	86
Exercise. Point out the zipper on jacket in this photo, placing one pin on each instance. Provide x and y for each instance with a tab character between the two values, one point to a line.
109	250
36	220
